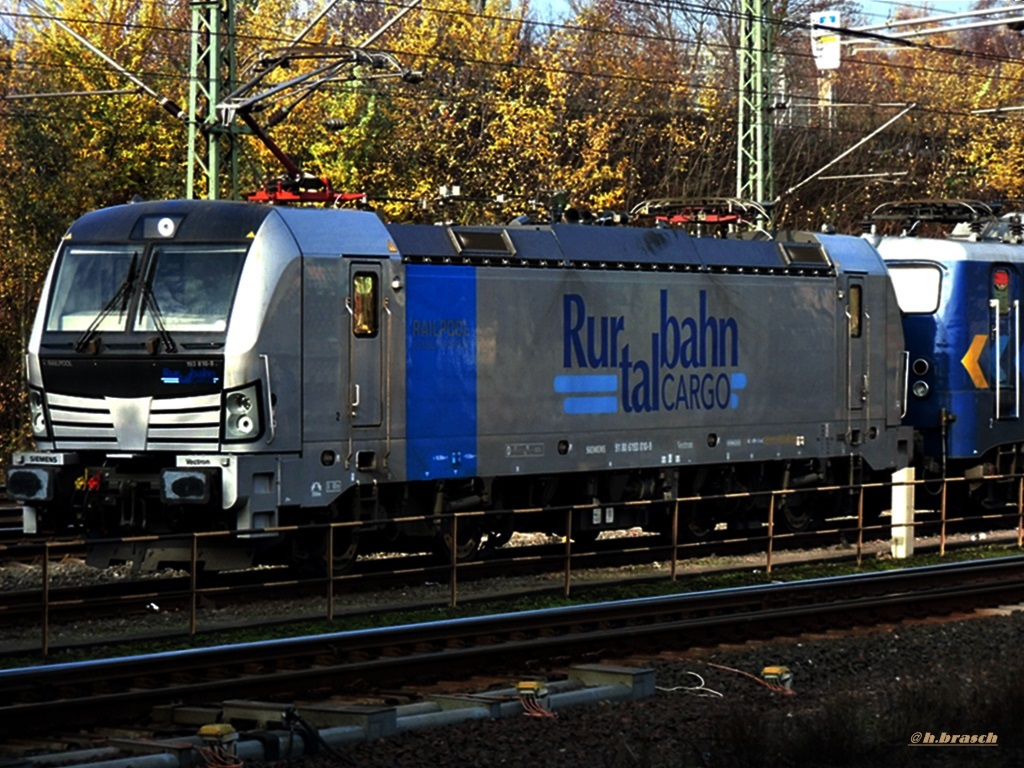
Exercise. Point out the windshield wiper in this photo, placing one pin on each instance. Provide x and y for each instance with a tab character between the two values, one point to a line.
149	300
119	299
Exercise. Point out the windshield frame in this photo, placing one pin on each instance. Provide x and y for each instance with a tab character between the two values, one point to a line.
135	298
92	306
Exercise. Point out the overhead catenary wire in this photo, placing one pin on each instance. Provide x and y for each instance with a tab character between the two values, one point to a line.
577	28
172	108
612	112
847	152
811	99
69	94
643	81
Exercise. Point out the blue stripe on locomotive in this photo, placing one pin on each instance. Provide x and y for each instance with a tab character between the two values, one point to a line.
441	372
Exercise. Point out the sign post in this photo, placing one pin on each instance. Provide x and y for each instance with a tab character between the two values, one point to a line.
825	42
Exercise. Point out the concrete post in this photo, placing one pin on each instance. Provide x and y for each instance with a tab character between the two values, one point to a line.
903	513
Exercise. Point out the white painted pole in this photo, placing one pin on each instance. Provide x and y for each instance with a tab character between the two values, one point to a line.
903	513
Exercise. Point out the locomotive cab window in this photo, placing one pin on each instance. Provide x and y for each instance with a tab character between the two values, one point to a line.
190	288
365	299
917	287
93	284
1000	289
121	289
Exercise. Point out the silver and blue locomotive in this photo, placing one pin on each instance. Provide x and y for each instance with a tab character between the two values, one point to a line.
202	365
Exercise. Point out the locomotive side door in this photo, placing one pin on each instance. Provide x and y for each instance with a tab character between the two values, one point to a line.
1004	322
858	331
366	344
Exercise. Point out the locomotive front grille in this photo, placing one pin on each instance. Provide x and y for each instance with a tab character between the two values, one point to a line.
135	423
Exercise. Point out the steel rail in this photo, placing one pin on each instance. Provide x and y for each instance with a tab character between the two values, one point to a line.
40	613
106	599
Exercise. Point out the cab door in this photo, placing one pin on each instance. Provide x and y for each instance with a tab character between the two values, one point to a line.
857	345
366	345
1004	320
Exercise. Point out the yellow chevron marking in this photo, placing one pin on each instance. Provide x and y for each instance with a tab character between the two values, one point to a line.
970	361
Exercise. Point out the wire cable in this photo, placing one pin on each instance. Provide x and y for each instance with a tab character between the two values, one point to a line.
700	689
770	686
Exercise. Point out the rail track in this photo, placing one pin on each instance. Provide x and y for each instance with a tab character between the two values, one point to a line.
35	614
361	661
391	583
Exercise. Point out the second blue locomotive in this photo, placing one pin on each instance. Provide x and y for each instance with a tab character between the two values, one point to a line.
960	291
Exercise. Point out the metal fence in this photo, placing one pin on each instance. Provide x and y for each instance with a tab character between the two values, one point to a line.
331	586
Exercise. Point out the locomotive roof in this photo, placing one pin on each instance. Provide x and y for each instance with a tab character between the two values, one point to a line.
196	220
593	247
945	250
324	232
318	231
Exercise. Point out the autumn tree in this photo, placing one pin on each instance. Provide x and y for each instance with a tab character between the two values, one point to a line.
616	103
941	148
479	119
85	139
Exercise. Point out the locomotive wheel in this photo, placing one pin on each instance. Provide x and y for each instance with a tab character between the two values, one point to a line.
696	525
309	551
797	518
466	548
346	550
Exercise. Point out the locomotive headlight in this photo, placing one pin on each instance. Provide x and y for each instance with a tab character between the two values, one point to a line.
37	413
242	414
239	403
920	389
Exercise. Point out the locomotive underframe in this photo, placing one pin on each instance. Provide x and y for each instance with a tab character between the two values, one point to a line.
124	499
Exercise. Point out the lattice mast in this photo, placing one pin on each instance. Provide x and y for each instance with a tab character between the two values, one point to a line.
754	169
212	146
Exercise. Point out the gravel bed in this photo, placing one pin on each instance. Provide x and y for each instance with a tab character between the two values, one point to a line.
857	700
